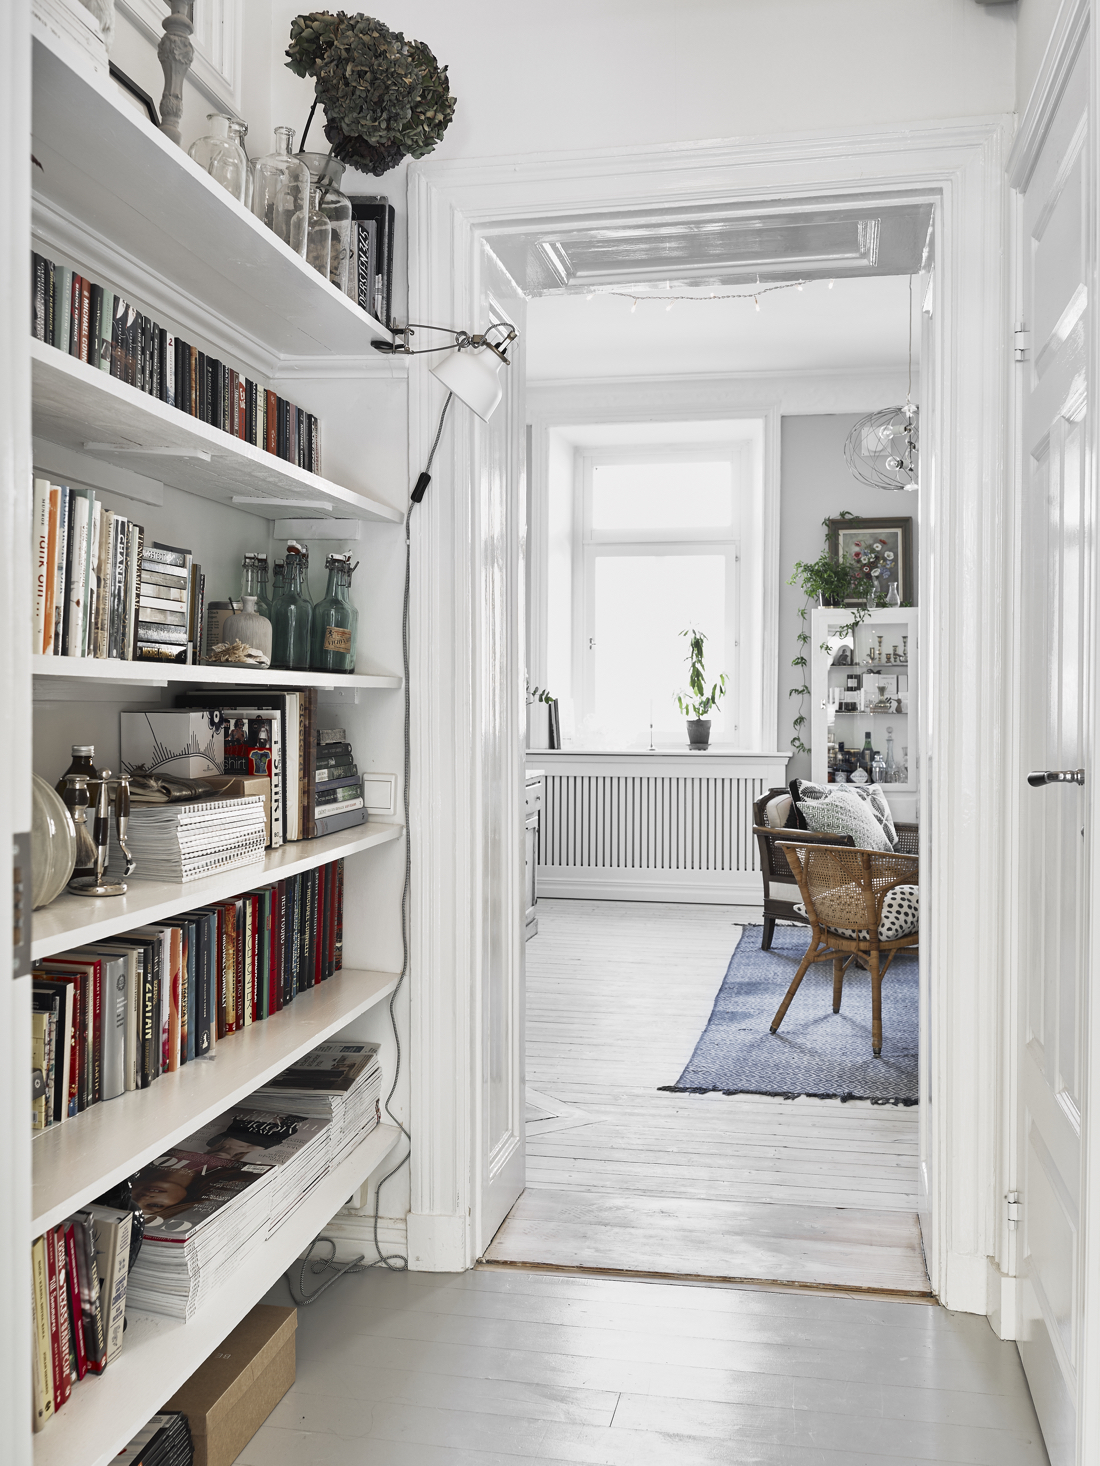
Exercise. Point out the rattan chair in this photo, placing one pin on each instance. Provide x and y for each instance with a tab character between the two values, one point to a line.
844	888
781	895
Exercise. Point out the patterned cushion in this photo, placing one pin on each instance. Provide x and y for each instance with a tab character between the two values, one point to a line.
900	916
871	794
842	813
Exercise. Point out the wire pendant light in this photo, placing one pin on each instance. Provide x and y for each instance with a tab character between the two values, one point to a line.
882	450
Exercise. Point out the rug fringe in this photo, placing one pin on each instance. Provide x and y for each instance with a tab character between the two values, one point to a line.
786	1094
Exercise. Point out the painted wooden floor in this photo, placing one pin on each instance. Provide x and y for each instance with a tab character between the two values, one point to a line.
617	996
495	1365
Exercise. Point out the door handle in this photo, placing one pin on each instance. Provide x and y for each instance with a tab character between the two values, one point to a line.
1056	776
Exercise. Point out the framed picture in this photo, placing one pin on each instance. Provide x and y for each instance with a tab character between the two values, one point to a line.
140	100
882	549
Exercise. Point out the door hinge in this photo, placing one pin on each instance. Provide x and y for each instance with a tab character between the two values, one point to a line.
1021	342
21	905
1012	1205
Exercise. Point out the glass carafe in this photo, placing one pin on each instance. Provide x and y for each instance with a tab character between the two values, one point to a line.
221	154
292	621
280	192
326	175
335	620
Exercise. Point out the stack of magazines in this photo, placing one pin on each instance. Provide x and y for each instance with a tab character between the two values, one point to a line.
184	842
163	1441
339	1082
205	1200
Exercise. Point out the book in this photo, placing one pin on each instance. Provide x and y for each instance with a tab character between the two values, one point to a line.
62	306
111	1233
377	210
76	1318
40	531
66	1348
40	282
43	1356
58	1366
95	1346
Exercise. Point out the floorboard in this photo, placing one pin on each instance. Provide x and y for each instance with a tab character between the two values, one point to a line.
623	1176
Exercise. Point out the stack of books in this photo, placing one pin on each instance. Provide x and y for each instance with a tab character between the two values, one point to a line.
96	326
341	1082
238	1178
80	1278
120	1014
184	842
100	590
338	797
163	1441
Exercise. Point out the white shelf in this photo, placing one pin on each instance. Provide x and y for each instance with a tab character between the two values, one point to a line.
74	404
71	921
160	674
160	1354
80	1158
106	166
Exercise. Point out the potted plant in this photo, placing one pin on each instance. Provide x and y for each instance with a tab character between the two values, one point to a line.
538	717
825	580
698	702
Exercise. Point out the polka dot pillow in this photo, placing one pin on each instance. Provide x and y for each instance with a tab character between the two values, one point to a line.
900	916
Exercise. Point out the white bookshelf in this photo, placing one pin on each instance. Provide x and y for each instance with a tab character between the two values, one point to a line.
161	674
76	405
118	201
70	921
160	1354
80	1158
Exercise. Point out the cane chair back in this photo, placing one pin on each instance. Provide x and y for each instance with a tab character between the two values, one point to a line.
845	888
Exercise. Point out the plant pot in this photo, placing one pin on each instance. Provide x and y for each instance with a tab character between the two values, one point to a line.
698	732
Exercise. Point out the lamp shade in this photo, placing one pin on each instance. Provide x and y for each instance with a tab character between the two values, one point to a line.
474	377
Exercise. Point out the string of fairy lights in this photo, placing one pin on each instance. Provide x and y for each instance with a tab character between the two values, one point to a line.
667	300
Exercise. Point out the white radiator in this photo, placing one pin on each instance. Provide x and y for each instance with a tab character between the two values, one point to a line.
652	827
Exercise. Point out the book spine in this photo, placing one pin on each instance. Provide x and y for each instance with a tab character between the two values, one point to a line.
114	1029
78	574
39	309
95	327
94	1341
62	306
193	353
56	1237
339	955
271	422
95	988
95	527
118	339
61	562
85	318
169	355
240	964
43	1355
174	1000
41	554
76	1315
106	323
74	315
56	1368
50	601
133	332
112	1245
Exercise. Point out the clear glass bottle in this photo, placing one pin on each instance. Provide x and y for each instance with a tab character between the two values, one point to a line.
891	766
280	192
292	621
221	154
318	234
326	175
238	130
335	620
263	602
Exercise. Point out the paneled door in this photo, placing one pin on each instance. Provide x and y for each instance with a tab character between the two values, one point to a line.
501	1126
1052	383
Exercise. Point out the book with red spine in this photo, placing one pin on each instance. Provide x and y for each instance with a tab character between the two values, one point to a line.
270	431
76	1316
275	987
240	963
55	1326
85	317
338	956
56	1239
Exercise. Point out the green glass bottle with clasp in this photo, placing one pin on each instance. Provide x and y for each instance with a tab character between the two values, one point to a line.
335	620
291	619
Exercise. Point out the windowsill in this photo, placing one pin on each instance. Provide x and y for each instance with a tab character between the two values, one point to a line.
720	750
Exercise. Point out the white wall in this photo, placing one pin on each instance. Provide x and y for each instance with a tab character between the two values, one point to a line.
815	483
1034	23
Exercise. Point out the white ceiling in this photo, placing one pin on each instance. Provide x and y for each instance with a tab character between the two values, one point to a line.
856	324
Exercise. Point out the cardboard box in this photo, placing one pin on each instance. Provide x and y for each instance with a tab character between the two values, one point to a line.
237	786
229	1397
186	742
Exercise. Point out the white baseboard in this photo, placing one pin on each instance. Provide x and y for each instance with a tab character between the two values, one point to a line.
966	1288
354	1232
437	1243
693	887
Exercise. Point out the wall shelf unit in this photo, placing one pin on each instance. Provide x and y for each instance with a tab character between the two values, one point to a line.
76	405
106	166
161	674
161	1353
70	921
78	1159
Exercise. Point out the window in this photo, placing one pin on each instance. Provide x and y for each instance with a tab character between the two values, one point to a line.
658	551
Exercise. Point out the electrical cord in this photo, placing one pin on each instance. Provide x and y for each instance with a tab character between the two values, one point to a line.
396	1262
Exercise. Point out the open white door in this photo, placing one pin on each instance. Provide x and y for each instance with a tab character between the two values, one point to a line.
501	599
1055	651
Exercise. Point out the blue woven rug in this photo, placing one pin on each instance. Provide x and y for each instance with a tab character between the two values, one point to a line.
816	1052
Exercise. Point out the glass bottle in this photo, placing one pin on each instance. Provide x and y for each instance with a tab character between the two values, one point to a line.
878	768
250	575
292	618
867	754
891	766
280	192
278	588
263	603
220	153
83	766
335	620
238	130
318	249
840	773
326	175
892	597
302	553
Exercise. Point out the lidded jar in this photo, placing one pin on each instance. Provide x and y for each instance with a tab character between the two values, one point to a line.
222	155
335	620
326	174
280	192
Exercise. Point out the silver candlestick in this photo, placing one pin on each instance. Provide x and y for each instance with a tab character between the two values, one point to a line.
176	54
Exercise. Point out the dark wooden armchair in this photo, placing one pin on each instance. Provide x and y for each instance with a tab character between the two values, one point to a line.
781	893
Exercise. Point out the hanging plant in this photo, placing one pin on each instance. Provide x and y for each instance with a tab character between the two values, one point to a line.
826	582
384	98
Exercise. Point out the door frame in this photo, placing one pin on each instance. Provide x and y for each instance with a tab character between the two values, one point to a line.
965	547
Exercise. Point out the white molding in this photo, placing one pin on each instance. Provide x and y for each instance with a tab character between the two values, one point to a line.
1063	48
217	39
584	884
706	395
356	1228
959	165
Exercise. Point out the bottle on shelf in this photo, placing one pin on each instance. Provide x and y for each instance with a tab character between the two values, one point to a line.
840	772
278	587
878	768
335	620
318	234
222	155
891	768
280	192
292	618
326	175
85	777
263	602
867	753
